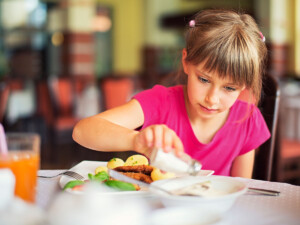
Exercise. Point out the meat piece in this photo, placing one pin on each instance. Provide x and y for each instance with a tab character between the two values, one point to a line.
139	176
145	169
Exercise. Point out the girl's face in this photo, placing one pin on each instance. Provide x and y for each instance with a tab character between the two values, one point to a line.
208	95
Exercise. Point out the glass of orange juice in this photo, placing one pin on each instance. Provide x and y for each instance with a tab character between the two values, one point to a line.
23	158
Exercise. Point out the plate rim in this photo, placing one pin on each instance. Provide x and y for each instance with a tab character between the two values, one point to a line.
64	179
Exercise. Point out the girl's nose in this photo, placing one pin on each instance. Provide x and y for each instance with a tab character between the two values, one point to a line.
212	97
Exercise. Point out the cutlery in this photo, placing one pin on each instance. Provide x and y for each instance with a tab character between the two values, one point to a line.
263	191
68	173
120	176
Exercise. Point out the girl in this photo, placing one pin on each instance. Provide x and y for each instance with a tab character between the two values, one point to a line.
224	55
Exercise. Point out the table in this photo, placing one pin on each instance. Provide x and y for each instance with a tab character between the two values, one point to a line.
249	209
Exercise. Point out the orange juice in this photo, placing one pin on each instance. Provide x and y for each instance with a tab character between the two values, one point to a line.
24	165
23	158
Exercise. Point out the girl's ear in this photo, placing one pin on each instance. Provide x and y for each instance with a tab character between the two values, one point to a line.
183	61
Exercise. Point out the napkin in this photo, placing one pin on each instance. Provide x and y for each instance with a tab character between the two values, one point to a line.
97	207
7	187
19	212
14	210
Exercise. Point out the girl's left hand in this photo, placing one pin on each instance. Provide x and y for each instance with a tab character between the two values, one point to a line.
158	136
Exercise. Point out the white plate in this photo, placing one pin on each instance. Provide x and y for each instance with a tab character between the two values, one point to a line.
86	167
221	196
83	168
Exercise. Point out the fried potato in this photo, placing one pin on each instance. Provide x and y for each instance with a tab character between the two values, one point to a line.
136	160
100	169
115	162
139	176
157	174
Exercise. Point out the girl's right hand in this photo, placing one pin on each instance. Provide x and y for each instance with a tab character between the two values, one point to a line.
158	136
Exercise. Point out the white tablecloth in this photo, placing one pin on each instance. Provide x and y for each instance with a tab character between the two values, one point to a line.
249	209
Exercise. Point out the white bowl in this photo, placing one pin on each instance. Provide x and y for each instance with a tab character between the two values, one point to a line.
183	216
222	194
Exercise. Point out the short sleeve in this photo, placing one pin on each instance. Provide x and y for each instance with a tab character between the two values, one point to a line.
152	102
257	131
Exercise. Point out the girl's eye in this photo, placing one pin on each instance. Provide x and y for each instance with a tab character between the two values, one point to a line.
230	88
203	80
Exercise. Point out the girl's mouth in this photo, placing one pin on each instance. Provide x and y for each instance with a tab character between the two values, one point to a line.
208	110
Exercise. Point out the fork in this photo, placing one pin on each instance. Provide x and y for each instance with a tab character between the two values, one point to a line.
68	173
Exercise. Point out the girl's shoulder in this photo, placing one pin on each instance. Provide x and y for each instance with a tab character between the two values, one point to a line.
159	101
242	110
160	96
242	105
160	91
164	89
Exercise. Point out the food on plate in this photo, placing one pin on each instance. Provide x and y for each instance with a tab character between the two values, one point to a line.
140	176
145	169
158	174
120	185
135	166
115	162
74	184
103	178
100	169
140	172
136	160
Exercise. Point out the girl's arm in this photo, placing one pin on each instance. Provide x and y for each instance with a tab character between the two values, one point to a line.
242	166
111	130
114	130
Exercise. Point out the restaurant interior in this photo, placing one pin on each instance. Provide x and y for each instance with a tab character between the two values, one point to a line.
63	60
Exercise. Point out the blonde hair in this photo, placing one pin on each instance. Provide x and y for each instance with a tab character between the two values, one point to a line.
230	44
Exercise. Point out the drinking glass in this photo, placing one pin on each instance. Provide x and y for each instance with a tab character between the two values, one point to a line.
23	158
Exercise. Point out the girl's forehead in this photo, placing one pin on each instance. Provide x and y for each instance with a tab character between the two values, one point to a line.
216	74
212	73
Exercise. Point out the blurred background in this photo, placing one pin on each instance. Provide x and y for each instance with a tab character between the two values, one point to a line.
63	60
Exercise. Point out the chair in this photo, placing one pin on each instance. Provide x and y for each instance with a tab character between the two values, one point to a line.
4	94
288	169
269	107
288	158
56	105
116	90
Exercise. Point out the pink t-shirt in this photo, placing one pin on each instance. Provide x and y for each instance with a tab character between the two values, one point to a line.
238	136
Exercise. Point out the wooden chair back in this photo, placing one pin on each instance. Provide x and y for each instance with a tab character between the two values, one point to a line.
62	95
269	107
116	90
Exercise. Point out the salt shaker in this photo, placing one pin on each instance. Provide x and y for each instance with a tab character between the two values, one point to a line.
171	163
